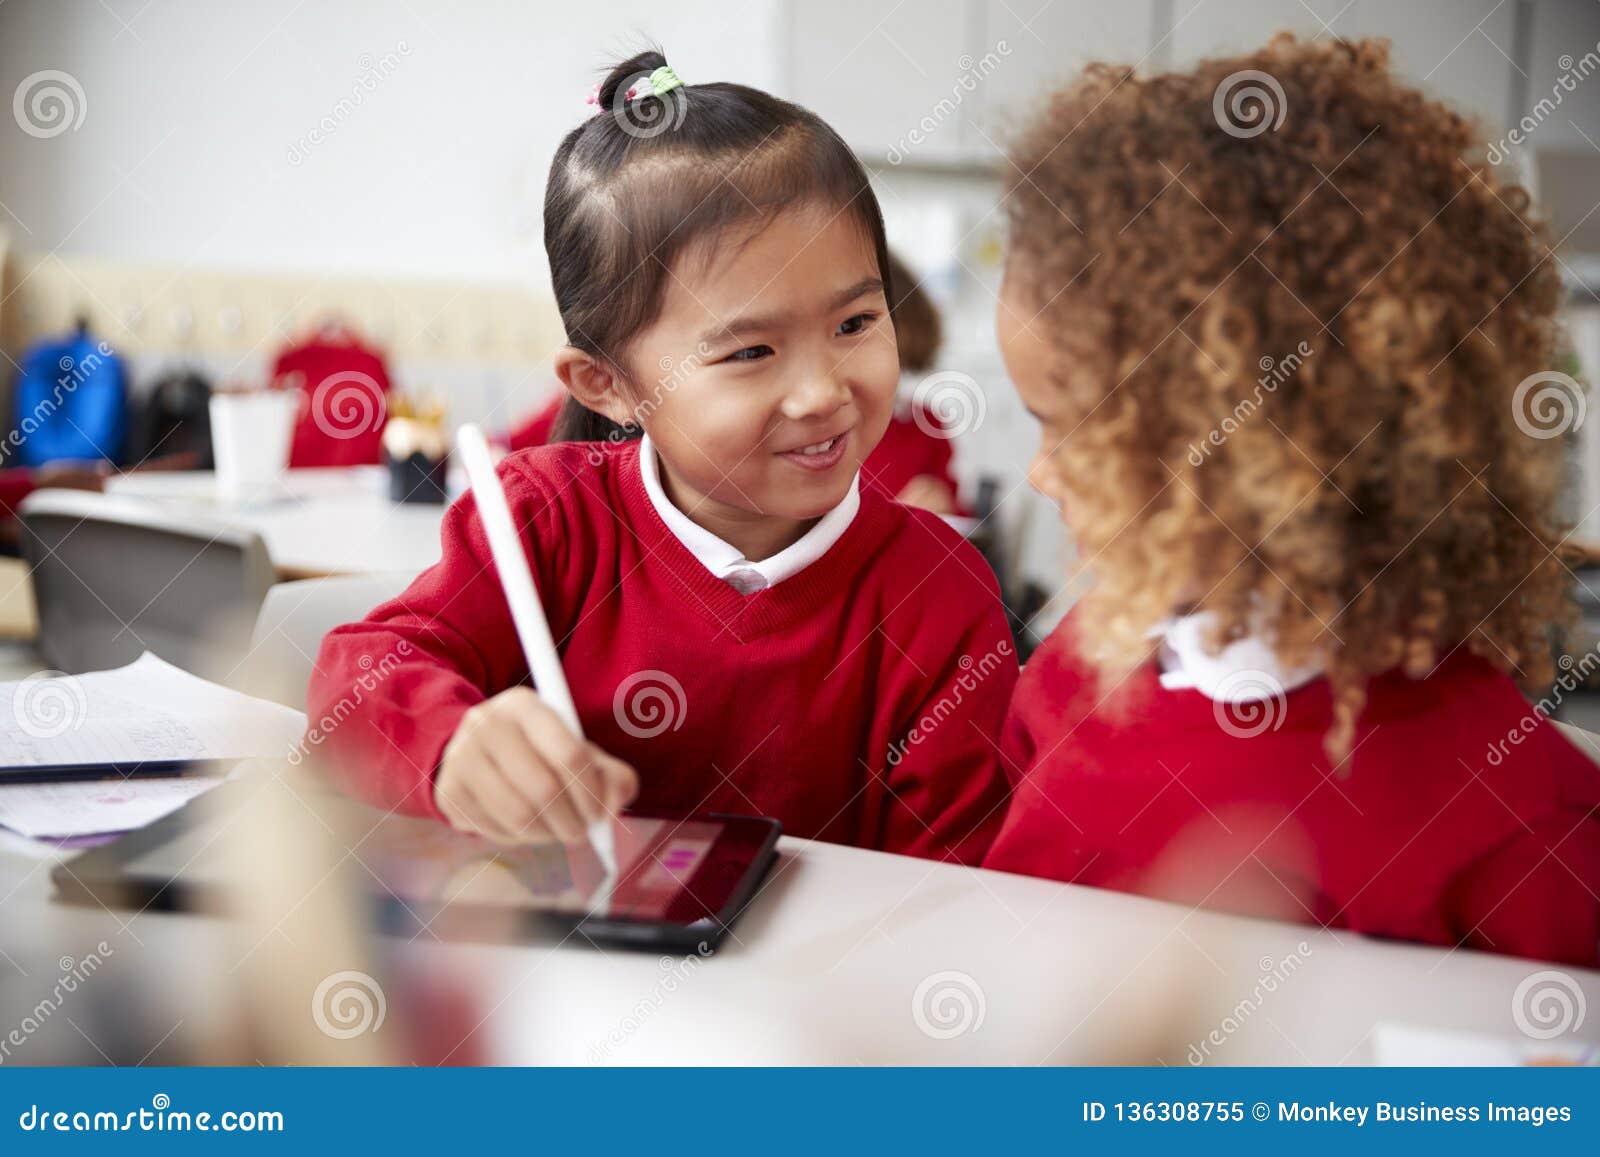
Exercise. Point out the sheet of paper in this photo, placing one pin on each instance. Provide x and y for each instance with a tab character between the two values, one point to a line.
147	710
59	810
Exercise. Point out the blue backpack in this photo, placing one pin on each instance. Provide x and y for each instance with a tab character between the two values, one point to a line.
71	402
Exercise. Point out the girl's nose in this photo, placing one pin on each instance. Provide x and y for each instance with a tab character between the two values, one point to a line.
816	397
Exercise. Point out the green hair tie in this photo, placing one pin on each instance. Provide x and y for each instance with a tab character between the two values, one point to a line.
663	80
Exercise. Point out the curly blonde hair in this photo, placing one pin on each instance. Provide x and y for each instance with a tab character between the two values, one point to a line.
1294	307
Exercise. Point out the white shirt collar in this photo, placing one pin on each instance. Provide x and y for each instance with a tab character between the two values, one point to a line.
1244	671
723	559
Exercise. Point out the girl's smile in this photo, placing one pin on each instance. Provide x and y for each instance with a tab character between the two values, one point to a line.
818	456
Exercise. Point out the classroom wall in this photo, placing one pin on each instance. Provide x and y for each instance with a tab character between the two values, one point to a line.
438	119
411	140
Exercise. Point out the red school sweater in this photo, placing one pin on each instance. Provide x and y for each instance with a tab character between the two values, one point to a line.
1462	817
908	451
859	701
537	428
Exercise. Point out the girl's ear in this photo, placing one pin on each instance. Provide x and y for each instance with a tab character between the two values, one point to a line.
596	383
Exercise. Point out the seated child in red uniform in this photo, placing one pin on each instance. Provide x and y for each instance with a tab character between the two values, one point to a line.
1296	395
731	605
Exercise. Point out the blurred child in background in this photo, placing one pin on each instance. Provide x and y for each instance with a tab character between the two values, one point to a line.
913	462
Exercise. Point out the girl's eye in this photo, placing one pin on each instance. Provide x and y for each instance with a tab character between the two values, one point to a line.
857	324
750	354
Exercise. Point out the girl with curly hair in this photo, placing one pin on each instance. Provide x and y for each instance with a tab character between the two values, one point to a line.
1281	326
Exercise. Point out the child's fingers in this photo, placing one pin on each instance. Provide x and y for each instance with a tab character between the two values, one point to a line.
928	492
555	810
470	791
460	807
587	785
598	784
470	794
619	782
533	785
570	757
566	799
513	817
540	765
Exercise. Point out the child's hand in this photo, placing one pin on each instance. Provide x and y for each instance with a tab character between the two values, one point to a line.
930	493
514	772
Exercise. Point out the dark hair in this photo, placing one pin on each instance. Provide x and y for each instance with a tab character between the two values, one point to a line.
635	184
917	329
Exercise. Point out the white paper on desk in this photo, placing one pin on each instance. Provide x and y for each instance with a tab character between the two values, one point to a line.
89	807
148	710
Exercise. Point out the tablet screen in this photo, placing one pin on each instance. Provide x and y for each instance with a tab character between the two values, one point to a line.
657	859
672	872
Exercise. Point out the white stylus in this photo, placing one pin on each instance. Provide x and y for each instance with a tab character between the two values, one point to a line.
533	630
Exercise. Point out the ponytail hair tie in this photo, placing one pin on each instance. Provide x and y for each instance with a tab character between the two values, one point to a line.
663	80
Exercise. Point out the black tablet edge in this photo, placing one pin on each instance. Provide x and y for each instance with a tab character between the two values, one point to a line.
394	916
697	937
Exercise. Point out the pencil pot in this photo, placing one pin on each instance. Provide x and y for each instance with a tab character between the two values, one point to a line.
416	478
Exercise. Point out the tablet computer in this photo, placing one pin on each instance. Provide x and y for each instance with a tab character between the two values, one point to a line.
681	881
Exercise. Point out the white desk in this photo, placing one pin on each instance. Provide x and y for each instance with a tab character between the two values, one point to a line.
328	521
826	967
